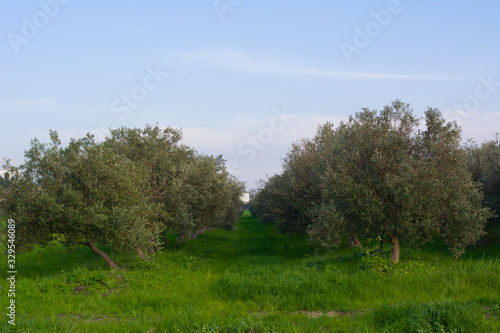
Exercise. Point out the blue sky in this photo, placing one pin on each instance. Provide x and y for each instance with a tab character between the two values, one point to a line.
241	78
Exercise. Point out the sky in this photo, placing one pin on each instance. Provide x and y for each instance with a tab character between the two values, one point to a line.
241	78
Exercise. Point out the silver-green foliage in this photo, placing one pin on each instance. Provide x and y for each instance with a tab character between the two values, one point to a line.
122	193
84	194
376	174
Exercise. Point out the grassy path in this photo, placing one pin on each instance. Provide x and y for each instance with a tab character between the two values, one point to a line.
254	280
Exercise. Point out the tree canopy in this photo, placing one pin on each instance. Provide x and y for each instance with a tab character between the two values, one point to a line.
483	162
123	192
195	192
379	175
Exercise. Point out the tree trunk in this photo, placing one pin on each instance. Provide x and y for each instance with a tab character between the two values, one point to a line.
102	254
395	248
180	239
197	232
139	252
354	241
153	248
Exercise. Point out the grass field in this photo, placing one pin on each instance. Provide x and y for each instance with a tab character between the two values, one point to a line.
255	280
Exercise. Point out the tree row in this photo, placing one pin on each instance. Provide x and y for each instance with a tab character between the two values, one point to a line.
383	175
123	193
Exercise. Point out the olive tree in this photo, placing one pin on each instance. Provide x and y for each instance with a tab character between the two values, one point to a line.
84	194
483	162
271	202
195	192
380	174
409	184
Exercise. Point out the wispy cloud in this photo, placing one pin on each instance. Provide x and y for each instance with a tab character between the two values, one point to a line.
27	103
228	140
240	61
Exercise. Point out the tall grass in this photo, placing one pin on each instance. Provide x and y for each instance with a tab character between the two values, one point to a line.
309	286
446	316
256	280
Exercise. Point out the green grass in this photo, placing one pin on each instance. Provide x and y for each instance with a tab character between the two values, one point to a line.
255	280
